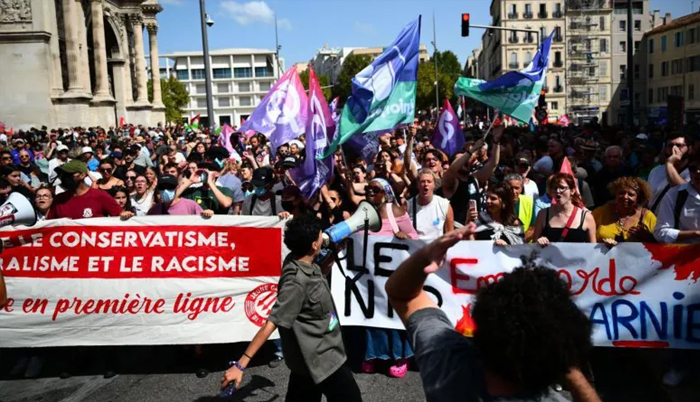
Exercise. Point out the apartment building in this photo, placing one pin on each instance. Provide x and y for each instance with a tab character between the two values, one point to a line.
641	23
240	79
589	60
672	51
505	51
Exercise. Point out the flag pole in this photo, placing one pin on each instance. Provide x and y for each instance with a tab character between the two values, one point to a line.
489	130
437	88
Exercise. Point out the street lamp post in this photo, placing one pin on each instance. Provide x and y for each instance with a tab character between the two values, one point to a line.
207	64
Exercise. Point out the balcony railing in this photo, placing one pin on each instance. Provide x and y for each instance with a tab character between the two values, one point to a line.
558	64
527	15
557	14
558	38
542	14
513	39
545	88
527	63
528	39
513	66
512	16
558	89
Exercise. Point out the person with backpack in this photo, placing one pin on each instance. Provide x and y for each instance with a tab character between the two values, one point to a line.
678	219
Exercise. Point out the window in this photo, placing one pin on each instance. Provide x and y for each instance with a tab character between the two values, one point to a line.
513	11
623	26
602	23
663	43
603	68
224	120
265	86
555	105
244	87
603	93
543	11
650	95
651	45
636	71
242	72
528	57
200	89
623	46
183	75
693	63
637	99
224	102
543	33
623	68
222	88
557	32
603	45
636	45
245	101
651	70
198	74
219	73
624	95
637	25
678	39
528	10
513	60
691	91
263	72
201	103
557	81
664	69
677	90
591	72
557	59
691	36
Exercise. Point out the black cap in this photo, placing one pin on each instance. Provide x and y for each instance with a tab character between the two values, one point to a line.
262	176
288	162
167	182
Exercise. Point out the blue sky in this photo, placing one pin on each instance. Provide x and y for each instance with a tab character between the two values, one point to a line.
306	25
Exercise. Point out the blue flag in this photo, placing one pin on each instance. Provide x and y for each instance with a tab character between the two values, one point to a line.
515	93
384	93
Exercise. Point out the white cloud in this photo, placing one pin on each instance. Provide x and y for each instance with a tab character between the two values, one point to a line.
364	28
253	11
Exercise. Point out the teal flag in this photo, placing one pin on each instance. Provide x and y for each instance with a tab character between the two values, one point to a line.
384	93
515	93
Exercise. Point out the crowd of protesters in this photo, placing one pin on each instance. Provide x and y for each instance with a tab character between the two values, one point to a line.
636	185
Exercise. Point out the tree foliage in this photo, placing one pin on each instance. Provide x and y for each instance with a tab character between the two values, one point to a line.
425	91
352	65
323	81
448	63
175	98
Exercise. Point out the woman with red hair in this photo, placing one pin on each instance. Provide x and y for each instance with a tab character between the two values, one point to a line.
564	221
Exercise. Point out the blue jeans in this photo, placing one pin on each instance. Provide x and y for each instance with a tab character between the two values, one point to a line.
278	345
387	344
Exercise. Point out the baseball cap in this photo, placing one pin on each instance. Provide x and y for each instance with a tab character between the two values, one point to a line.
73	166
288	162
167	182
61	148
262	176
116	155
523	161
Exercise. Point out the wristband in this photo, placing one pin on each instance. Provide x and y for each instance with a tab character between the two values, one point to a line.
238	366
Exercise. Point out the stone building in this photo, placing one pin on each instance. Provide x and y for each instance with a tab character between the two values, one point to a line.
78	62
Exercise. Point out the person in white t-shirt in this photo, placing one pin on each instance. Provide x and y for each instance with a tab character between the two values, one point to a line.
432	215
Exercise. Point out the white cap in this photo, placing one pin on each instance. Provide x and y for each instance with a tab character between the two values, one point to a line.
61	148
298	143
86	150
642	137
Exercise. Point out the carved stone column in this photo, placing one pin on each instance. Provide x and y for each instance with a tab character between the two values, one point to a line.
98	43
141	79
83	56
72	48
155	65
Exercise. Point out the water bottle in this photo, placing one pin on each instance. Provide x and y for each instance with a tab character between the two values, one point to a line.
230	388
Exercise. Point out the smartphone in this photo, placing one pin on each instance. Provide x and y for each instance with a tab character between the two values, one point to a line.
472	204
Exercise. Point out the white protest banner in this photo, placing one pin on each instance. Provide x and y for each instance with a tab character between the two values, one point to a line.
636	295
145	281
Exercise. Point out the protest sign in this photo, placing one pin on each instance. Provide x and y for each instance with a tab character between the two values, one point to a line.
145	281
636	295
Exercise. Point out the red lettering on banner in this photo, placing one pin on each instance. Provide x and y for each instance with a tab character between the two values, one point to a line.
8	306
34	306
199	305
455	276
105	252
608	286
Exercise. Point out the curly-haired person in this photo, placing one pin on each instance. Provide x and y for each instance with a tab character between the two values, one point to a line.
529	334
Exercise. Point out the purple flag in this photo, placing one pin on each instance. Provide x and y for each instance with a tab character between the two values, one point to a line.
333	107
225	141
448	136
314	173
282	114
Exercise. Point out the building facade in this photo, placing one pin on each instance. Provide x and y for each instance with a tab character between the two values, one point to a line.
504	51
240	80
641	24
672	51
78	62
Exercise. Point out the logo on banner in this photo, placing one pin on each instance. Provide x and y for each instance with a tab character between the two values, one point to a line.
446	128
259	302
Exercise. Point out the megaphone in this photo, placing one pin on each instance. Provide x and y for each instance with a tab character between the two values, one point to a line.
17	210
366	217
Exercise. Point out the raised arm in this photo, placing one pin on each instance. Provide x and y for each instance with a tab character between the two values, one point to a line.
450	178
411	169
485	173
674	178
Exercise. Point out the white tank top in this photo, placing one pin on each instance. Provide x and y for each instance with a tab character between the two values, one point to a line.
429	220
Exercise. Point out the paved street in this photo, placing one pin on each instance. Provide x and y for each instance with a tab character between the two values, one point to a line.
156	375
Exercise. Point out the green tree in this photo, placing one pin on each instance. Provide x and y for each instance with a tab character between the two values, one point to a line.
352	65
448	63
175	98
323	81
425	91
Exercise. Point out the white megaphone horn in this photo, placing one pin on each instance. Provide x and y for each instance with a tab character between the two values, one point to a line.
17	210
366	217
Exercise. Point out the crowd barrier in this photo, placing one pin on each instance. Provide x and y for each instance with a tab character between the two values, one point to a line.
183	280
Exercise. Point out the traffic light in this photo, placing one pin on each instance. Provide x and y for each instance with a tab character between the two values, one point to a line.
465	24
543	100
